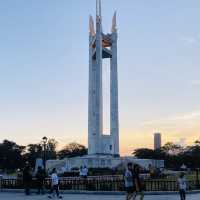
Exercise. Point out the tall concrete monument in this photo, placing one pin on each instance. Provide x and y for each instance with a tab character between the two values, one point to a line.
102	46
103	149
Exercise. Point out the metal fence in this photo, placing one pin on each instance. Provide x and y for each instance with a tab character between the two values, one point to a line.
104	183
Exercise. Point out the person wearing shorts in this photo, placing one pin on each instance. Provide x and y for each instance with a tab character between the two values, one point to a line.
54	185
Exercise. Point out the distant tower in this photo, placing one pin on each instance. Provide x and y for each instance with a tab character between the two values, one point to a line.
157	141
102	46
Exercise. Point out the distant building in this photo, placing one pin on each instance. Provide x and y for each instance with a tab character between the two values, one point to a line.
157	141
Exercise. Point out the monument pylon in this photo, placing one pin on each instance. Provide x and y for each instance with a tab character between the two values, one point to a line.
102	46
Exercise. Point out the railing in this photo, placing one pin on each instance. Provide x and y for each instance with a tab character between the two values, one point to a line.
105	183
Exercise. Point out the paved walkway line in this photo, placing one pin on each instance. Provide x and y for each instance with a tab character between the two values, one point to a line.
20	196
99	192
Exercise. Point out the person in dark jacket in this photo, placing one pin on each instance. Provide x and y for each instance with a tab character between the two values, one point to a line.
140	181
27	179
40	178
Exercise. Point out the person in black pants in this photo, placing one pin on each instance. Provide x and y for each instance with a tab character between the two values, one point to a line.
27	179
182	186
40	178
54	184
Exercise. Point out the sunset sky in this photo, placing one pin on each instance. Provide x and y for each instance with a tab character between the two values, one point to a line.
44	70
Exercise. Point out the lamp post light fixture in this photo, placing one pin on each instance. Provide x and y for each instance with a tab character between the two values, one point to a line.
44	142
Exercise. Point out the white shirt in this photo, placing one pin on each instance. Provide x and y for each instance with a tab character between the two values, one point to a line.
81	172
84	171
182	183
54	179
128	178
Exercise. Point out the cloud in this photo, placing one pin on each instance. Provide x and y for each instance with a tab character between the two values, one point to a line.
186	118
195	82
190	40
182	142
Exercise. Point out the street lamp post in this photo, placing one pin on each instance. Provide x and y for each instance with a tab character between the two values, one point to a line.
44	141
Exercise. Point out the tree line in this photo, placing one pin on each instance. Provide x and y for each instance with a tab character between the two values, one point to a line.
14	156
174	155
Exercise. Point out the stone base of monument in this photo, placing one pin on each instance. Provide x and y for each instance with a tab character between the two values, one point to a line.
100	161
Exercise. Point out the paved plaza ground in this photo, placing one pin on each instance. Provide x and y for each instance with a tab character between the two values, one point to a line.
13	196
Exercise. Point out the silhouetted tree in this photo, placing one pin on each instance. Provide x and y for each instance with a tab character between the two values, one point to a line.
35	151
51	152
72	150
172	154
144	153
11	155
192	155
171	148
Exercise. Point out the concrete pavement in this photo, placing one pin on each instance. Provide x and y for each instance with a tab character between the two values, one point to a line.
20	196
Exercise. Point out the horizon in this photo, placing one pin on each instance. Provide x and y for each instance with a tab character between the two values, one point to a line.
44	71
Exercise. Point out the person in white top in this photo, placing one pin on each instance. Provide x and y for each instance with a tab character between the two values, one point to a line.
85	172
130	183
182	183
54	184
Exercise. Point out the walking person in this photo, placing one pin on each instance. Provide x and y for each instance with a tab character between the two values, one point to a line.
27	179
84	176
40	178
54	184
139	181
129	179
81	172
85	172
182	186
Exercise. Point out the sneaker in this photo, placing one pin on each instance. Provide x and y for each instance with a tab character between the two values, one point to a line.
50	197
60	197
